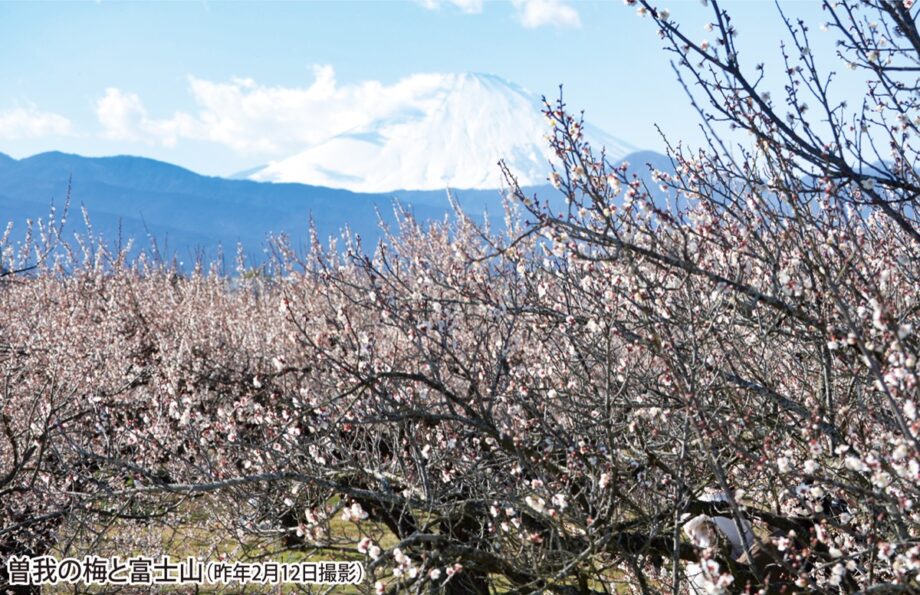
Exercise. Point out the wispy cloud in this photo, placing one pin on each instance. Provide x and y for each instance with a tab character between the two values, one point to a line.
467	6
530	13
268	121
546	13
30	122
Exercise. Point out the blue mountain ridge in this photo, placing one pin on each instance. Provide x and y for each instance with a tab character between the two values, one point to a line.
191	215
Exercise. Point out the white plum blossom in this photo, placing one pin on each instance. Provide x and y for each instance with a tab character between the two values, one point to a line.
354	513
783	465
536	502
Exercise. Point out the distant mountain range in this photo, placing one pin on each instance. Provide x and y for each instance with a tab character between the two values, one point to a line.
445	130
186	212
189	214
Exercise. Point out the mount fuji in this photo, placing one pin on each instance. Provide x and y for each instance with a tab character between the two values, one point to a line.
450	133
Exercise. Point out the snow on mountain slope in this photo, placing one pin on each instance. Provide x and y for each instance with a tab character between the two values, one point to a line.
450	133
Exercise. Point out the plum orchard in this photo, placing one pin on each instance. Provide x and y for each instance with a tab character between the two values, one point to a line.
710	384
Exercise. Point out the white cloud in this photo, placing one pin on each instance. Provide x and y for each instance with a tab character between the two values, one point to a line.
120	114
539	13
467	6
29	122
124	117
267	121
530	13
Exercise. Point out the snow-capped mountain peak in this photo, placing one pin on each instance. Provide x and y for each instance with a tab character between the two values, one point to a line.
447	130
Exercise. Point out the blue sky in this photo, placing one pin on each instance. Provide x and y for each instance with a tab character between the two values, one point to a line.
219	86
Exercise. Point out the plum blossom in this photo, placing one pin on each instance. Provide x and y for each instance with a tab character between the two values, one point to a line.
354	513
